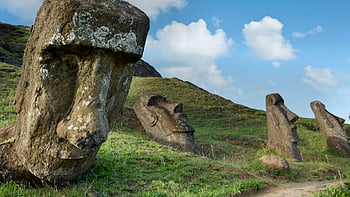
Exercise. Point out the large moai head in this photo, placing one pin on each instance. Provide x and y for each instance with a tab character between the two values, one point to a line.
165	122
76	74
282	132
332	127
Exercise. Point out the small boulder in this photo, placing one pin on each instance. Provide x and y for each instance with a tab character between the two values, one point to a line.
274	162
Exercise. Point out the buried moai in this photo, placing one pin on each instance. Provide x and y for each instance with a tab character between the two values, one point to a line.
75	78
332	127
165	123
282	132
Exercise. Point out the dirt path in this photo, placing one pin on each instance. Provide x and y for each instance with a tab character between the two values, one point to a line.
297	189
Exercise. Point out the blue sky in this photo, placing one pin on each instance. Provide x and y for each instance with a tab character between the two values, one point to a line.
245	49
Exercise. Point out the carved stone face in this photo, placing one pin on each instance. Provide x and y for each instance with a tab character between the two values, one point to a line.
329	124
282	132
165	122
76	74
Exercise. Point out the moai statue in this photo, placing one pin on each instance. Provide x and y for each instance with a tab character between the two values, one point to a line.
165	123
77	70
332	127
282	132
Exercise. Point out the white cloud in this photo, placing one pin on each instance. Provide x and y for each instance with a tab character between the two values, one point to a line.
216	21
319	78
24	9
276	64
189	52
154	7
266	40
317	29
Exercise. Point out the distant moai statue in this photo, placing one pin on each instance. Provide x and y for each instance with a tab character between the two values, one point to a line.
76	73
332	127
166	123
282	132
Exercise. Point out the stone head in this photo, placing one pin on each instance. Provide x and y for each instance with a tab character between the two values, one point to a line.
282	132
329	124
165	122
77	71
166	116
281	118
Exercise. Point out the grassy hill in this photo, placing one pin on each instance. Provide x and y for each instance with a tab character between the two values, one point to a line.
9	76
12	43
235	136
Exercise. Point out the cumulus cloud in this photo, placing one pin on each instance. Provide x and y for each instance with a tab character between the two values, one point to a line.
315	30
216	21
23	9
266	40
189	52
319	78
154	7
276	64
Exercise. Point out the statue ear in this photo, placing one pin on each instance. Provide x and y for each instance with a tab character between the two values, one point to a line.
154	120
274	118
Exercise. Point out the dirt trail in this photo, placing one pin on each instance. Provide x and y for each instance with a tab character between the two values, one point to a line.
297	189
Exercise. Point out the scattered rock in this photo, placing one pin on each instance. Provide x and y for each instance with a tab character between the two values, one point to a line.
275	163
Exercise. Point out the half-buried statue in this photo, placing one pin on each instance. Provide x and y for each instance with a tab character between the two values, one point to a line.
166	123
332	127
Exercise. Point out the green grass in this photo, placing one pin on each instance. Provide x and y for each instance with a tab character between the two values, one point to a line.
9	76
343	191
234	136
13	40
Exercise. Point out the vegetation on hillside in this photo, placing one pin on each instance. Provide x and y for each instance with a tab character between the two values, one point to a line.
9	76
235	136
12	43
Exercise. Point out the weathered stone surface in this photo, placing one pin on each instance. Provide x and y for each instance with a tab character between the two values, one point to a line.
144	69
77	70
332	127
282	132
166	123
274	162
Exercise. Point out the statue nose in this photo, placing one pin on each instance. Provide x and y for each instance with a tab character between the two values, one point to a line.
292	116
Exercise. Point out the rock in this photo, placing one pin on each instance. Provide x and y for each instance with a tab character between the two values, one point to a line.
165	123
275	163
76	73
282	132
332	127
143	69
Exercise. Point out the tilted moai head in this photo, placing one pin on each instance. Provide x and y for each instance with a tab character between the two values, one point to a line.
282	132
332	127
165	122
76	74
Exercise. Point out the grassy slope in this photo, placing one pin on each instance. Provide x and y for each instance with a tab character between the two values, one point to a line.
234	135
8	81
13	40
